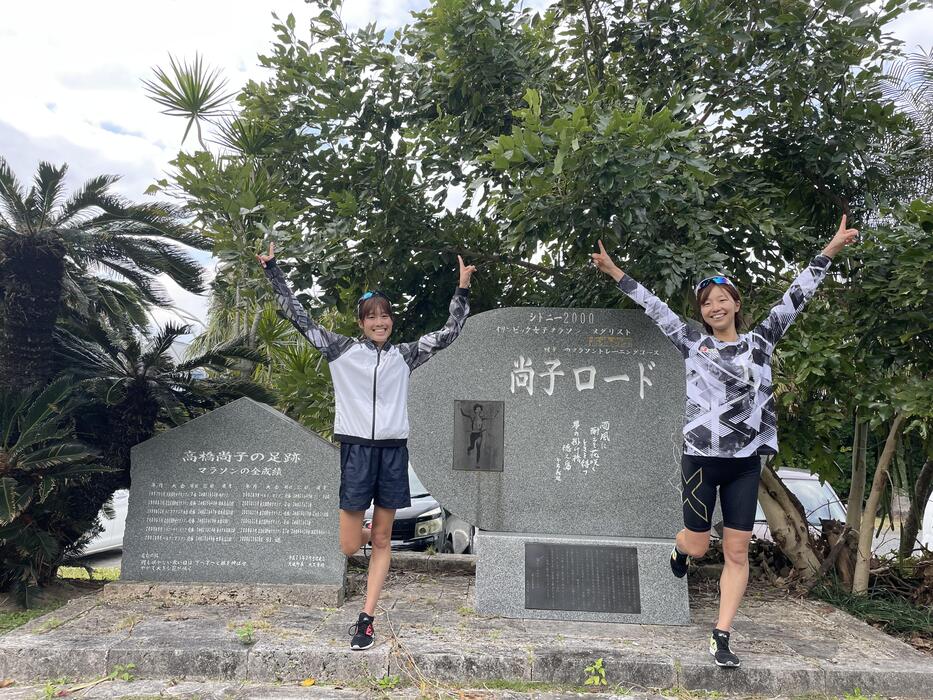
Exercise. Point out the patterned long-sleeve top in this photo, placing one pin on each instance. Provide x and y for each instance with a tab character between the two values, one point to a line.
370	383
729	408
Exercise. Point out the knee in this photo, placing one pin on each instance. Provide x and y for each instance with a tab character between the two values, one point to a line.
697	549
737	555
349	548
694	544
380	540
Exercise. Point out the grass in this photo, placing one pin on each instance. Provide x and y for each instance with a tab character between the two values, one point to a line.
79	573
18	618
891	614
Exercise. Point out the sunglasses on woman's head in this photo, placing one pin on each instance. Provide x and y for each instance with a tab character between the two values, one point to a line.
369	295
718	279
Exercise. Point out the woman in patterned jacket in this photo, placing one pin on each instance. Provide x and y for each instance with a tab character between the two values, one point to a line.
729	418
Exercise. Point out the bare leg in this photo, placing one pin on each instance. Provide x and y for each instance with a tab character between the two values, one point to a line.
381	556
352	535
734	577
692	543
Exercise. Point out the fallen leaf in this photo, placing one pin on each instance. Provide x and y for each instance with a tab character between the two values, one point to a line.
6	682
307	682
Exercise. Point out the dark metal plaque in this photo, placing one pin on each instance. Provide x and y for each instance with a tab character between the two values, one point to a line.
479	436
592	578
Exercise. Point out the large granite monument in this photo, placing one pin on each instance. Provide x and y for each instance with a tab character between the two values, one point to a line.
242	494
557	432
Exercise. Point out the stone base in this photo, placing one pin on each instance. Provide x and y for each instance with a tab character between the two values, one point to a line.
312	595
638	589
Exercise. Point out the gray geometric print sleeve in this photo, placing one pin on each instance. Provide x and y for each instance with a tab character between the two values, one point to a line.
420	351
729	409
332	345
782	314
673	326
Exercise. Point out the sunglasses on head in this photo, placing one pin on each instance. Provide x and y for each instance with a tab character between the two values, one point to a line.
369	295
718	279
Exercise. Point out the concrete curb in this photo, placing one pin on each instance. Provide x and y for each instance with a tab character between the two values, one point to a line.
427	628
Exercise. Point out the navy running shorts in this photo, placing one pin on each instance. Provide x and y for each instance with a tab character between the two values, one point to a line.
370	474
737	480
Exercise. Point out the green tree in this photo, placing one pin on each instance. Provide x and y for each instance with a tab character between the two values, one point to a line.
41	463
49	244
689	136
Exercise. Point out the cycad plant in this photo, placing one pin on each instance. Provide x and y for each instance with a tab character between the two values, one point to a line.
41	464
139	385
50	244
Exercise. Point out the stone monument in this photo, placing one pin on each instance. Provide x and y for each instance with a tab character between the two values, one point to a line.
242	494
557	432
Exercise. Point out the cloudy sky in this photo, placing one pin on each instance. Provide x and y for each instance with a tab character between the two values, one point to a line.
70	87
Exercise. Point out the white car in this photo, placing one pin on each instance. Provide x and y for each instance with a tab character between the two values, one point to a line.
111	538
926	532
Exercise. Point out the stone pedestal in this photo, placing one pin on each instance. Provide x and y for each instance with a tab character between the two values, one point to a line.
586	578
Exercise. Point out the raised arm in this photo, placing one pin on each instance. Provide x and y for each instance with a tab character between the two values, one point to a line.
422	350
331	344
672	325
782	314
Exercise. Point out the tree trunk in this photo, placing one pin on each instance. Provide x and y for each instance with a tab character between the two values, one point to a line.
922	491
857	488
846	562
32	272
789	528
867	527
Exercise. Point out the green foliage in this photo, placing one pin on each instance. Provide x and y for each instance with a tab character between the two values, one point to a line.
192	91
12	620
123	672
690	137
41	463
595	673
388	682
245	633
891	613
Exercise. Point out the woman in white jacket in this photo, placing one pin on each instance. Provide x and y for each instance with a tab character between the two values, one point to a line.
370	377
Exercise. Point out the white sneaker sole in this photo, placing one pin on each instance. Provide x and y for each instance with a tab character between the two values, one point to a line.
722	665
368	646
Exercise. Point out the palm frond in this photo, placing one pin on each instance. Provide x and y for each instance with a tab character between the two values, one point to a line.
12	197
244	136
88	196
49	184
192	90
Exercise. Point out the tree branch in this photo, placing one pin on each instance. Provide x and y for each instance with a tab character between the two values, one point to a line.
494	257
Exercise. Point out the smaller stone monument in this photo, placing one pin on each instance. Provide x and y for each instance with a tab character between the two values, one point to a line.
241	495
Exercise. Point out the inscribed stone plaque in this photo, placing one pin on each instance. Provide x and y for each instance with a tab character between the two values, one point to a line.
241	494
594	578
478	435
592	414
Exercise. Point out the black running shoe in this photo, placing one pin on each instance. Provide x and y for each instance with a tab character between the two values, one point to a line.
719	648
678	563
363	634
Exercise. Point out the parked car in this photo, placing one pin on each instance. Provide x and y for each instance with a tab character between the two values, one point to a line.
111	537
819	500
458	535
419	526
926	532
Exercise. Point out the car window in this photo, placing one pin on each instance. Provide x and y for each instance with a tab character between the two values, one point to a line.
819	501
414	483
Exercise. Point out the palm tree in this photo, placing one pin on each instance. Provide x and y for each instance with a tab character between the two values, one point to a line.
40	463
49	244
132	389
136	387
192	90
